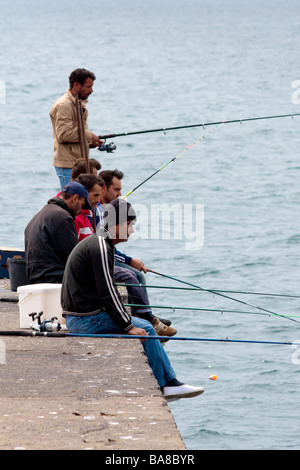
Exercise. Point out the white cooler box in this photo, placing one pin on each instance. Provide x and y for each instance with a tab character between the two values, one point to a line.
39	298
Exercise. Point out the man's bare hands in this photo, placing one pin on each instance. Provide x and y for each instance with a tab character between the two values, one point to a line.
96	142
139	265
138	332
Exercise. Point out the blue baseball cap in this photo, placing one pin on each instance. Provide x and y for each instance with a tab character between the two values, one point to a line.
77	188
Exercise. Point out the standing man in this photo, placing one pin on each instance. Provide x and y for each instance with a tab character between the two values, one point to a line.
91	302
51	235
64	121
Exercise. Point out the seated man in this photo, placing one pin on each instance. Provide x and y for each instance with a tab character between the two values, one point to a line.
91	302
79	167
137	295
51	235
111	190
93	185
129	270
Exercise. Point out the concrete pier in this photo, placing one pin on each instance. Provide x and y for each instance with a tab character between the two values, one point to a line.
78	393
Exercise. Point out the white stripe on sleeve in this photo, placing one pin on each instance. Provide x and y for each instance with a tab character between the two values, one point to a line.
109	282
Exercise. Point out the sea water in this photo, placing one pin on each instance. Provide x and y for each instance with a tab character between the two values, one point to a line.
235	191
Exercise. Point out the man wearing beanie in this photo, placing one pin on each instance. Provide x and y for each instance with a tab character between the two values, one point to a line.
92	304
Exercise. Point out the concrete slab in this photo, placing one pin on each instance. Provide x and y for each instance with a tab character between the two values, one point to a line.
78	393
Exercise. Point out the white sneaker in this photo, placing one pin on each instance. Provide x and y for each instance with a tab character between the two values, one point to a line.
181	391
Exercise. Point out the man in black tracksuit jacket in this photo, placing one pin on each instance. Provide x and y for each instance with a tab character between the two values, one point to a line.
89	286
92	305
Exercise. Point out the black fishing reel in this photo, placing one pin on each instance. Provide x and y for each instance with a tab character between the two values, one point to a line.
109	148
51	325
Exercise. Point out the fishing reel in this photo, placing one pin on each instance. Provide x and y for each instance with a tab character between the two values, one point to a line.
109	148
51	325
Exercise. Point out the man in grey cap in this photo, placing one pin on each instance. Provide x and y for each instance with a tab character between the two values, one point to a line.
51	235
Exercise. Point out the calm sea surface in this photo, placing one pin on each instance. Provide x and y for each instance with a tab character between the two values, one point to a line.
170	63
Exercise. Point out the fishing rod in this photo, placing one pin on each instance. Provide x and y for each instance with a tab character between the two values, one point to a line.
225	296
189	126
168	163
193	144
221	310
140	337
83	143
148	286
203	125
293	296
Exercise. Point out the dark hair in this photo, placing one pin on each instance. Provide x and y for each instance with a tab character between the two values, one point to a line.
80	76
108	175
117	212
79	167
65	196
88	181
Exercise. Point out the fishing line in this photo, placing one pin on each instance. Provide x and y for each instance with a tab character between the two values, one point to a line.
171	161
225	296
206	124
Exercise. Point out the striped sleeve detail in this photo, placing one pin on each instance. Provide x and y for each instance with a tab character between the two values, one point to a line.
119	258
86	231
109	282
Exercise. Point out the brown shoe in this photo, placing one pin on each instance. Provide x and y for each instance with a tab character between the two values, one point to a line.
161	329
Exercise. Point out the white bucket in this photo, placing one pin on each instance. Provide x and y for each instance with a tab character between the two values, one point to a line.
39	298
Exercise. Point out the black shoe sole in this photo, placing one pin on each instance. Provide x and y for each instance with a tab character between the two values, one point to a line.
165	322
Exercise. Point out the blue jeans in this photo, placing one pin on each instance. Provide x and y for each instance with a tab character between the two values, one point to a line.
64	175
137	294
102	323
139	274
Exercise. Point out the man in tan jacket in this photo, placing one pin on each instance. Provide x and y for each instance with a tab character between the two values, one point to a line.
64	120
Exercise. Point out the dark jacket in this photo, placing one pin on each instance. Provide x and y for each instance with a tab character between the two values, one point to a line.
49	239
88	284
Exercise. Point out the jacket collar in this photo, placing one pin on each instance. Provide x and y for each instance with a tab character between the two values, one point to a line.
87	212
61	203
72	98
102	232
